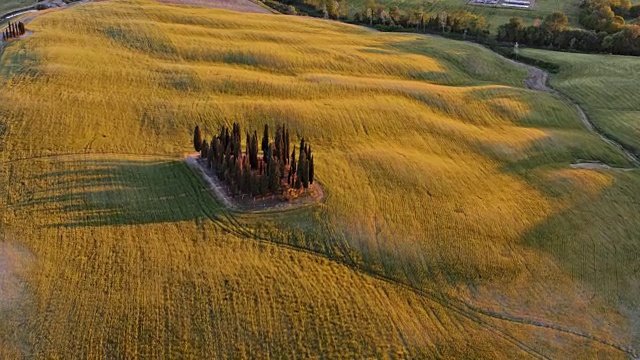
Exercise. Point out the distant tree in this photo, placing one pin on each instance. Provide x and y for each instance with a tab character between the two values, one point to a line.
555	22
197	139
512	31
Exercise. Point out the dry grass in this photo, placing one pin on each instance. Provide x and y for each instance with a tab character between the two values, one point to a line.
441	172
235	5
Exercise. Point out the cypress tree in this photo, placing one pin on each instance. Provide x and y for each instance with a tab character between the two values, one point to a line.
254	151
274	175
247	150
267	157
286	144
311	170
254	184
246	175
264	185
197	139
204	151
292	168
210	160
282	166
278	144
265	139
303	170
237	176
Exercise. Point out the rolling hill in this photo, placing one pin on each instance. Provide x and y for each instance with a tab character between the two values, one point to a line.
453	224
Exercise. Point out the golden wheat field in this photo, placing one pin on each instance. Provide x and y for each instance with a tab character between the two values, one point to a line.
453	225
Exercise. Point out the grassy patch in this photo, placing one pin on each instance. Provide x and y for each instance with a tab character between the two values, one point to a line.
604	86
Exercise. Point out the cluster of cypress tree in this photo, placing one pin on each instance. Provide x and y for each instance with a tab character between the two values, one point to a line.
13	30
248	173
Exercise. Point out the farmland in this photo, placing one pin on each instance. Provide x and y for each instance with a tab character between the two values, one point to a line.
605	86
453	224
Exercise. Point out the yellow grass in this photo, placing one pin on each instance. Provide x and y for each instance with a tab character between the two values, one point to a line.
441	172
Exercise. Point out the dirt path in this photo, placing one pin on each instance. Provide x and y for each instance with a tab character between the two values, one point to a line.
537	80
316	195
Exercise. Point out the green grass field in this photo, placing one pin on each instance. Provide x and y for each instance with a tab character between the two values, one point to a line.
453	226
605	86
9	5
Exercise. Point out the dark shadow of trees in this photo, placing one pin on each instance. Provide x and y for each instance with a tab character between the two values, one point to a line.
96	192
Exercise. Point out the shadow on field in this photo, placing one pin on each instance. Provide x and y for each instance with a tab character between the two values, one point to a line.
121	192
595	240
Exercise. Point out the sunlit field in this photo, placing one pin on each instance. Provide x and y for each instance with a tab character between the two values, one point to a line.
453	224
605	86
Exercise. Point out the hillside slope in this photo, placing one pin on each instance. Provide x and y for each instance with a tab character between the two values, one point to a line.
453	224
605	86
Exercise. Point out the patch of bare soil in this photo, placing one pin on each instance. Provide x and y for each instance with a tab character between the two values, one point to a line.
248	203
13	261
595	165
235	5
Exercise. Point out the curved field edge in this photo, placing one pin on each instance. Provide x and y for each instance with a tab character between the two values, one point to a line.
604	86
517	142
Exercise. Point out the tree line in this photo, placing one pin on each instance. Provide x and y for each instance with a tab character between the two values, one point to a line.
252	172
606	27
13	31
605	33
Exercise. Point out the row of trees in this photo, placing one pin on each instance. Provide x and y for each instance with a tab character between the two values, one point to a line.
251	172
13	30
554	32
604	22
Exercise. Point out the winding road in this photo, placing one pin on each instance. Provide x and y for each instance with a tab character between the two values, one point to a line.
536	80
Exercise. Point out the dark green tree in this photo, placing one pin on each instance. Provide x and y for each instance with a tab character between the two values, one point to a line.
311	170
287	143
274	175
204	150
253	156
292	167
265	139
197	139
